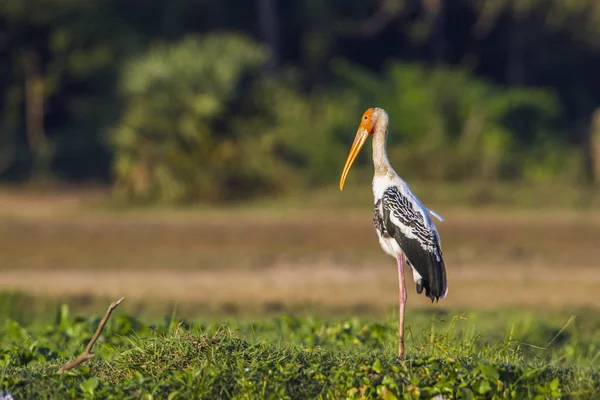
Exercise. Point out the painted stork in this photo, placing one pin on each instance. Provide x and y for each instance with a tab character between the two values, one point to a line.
402	222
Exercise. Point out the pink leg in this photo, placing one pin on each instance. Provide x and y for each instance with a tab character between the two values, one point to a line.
402	303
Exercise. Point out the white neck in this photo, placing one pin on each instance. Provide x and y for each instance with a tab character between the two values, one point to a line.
381	163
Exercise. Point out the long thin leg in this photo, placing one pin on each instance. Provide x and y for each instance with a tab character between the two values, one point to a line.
402	304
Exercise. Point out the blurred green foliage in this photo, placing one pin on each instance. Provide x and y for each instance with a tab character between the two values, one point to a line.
183	101
176	140
202	122
449	125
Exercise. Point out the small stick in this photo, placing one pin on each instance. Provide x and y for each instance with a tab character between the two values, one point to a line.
86	353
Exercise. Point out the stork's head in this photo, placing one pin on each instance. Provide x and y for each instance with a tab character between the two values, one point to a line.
366	128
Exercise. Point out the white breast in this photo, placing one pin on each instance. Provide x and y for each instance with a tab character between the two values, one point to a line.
389	245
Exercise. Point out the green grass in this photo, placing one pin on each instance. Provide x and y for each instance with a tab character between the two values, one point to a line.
503	354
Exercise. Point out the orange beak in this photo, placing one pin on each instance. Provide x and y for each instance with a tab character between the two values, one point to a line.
359	142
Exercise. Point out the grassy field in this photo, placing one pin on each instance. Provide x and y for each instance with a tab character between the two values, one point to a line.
468	355
292	300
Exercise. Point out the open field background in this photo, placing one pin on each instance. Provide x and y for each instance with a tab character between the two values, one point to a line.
242	260
296	295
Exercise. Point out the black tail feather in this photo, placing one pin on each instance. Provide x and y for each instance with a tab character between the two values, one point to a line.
434	280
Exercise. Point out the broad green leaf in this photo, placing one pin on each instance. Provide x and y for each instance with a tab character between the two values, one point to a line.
482	386
377	366
89	385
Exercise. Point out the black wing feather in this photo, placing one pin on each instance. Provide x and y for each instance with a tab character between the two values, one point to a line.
378	220
423	251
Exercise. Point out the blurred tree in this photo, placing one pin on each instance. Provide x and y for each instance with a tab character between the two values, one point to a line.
176	99
60	61
308	132
50	48
200	122
551	43
471	128
269	24
34	98
25	57
595	145
7	148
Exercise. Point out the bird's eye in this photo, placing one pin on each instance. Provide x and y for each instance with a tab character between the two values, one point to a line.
365	117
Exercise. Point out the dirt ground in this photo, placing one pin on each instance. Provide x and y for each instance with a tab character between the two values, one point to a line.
249	259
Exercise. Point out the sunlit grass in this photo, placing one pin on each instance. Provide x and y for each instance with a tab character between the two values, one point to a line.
506	354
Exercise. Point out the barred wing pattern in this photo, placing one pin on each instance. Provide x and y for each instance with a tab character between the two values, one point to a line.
378	220
406	221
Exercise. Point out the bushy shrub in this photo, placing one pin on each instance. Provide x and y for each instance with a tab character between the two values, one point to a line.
172	143
449	125
201	122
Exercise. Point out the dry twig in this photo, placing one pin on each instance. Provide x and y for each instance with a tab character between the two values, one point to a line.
86	353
